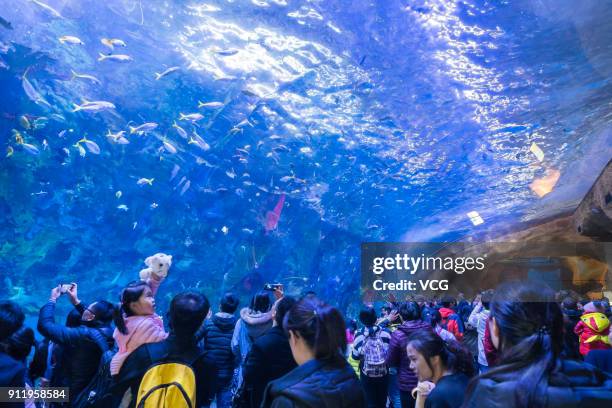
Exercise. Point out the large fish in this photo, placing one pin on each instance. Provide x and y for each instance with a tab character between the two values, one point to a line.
32	93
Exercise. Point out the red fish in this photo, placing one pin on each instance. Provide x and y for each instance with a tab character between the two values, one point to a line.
273	216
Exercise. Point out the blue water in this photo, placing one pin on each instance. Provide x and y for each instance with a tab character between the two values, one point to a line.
378	120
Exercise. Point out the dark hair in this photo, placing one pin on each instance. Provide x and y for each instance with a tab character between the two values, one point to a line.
447	301
187	312
229	303
38	365
569	304
409	311
19	344
131	293
282	307
453	355
11	318
530	337
486	298
103	310
73	319
310	293
367	316
435	318
386	309
321	326
261	302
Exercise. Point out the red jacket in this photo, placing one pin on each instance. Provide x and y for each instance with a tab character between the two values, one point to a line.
452	322
491	352
593	330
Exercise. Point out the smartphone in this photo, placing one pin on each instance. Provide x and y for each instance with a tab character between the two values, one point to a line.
65	287
272	286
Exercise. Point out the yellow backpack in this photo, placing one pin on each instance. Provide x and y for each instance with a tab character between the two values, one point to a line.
168	384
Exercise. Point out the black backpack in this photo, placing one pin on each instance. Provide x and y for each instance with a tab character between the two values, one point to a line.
98	394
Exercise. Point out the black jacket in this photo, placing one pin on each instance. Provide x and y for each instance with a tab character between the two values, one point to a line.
573	385
571	343
270	358
215	336
173	348
12	374
316	384
85	345
602	359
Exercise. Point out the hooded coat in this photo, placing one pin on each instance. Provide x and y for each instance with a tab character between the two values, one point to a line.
593	330
250	326
215	336
398	356
452	321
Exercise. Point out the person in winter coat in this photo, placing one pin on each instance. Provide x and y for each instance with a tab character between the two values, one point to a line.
215	336
12	371
136	320
443	368
370	341
571	317
270	356
451	321
254	321
593	329
436	325
397	357
186	314
527	327
18	346
323	378
478	319
86	342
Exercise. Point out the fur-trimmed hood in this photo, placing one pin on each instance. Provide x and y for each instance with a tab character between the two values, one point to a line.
256	323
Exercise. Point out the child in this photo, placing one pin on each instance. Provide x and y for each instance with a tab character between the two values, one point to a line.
593	329
136	320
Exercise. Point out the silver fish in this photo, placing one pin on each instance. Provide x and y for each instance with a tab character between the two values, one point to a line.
175	171
31	92
70	39
96	106
30	149
180	130
86	76
210	105
186	187
194	117
166	72
50	9
145	127
115	57
169	147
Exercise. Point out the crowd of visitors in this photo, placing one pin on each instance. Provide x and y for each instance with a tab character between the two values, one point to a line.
520	345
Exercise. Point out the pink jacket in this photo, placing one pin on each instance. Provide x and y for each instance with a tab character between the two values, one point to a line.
141	330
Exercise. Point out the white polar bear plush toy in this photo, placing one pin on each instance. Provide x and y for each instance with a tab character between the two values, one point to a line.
157	264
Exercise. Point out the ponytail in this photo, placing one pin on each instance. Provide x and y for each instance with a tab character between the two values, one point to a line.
131	293
118	319
321	326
